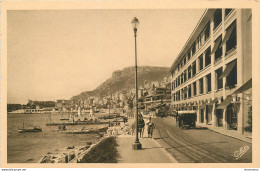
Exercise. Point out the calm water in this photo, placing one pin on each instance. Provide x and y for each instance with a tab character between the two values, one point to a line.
31	147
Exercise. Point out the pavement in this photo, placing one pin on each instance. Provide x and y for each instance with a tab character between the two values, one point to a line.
247	137
151	152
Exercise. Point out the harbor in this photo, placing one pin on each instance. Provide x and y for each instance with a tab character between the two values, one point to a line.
22	146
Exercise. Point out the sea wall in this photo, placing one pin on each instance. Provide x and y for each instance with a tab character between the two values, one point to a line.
92	151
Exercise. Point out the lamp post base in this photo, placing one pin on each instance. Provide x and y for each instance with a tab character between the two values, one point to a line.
137	146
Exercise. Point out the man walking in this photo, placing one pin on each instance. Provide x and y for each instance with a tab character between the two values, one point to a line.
150	126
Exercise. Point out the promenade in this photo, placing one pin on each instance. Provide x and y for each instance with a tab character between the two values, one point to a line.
151	152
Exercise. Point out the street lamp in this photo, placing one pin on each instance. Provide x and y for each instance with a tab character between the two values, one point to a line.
137	145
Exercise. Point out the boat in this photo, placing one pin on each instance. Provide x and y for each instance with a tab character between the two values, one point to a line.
74	123
77	132
33	129
79	121
64	119
85	131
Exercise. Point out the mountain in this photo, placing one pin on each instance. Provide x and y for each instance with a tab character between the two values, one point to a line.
125	79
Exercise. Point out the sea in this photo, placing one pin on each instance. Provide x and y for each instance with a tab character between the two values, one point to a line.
30	147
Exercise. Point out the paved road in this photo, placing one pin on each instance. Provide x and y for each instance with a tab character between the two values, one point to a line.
198	145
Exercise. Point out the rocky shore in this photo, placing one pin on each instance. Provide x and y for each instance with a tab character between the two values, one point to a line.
101	149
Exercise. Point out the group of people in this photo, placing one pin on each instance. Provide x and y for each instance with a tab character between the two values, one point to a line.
141	126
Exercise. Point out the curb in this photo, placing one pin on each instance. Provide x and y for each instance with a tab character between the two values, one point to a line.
244	140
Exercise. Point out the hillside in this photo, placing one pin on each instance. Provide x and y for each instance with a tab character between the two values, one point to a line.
125	79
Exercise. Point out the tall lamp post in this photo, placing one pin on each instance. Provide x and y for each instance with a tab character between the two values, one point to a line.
137	145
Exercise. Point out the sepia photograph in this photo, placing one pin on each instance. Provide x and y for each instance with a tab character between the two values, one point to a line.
128	86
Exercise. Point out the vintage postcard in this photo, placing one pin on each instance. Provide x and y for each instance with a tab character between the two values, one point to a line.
129	84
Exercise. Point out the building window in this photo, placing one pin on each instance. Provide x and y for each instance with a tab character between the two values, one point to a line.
227	11
193	48
189	72
185	93
199	41
219	80
232	41
207	57
181	78
201	61
217	18
176	82
231	79
207	31
184	60
194	68
189	91
189	55
202	115
218	52
201	85
185	76
194	88
208	82
179	81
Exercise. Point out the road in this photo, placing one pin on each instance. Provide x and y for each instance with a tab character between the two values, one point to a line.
198	145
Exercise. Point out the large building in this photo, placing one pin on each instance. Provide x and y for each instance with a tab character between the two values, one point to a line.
213	72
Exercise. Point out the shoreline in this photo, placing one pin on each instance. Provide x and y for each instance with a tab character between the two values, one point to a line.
76	154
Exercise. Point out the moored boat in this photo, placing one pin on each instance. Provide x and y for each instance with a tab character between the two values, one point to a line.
30	129
74	123
34	129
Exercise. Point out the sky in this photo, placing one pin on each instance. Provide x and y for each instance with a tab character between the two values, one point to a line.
58	54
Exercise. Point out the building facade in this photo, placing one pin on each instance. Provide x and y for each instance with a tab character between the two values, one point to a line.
213	72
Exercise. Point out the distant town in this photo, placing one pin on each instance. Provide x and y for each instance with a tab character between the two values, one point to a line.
153	95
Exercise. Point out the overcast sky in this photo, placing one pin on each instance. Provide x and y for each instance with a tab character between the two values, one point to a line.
57	54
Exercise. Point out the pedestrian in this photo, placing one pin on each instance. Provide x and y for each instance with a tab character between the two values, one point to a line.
150	126
141	125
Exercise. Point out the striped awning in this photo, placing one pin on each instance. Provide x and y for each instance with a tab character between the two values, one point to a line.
228	69
216	45
244	87
228	34
225	103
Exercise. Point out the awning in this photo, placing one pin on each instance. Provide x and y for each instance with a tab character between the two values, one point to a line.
225	103
244	87
228	34
217	43
228	69
212	102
